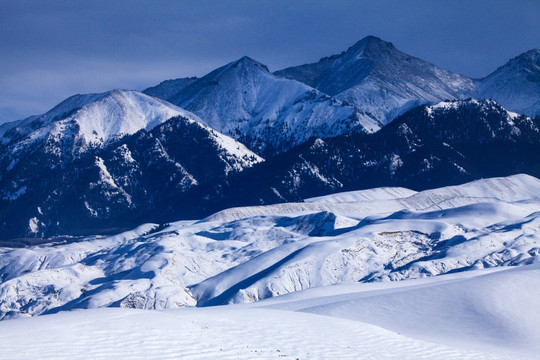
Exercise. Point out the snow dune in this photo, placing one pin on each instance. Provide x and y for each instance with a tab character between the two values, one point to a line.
249	254
317	279
478	315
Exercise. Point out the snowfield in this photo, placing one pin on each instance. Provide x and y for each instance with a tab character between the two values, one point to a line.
472	315
381	273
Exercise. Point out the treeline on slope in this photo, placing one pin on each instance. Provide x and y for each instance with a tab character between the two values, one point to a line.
427	147
176	171
143	171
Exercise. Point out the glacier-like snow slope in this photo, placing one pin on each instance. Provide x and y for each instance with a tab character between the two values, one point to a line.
381	80
268	114
481	314
515	85
248	254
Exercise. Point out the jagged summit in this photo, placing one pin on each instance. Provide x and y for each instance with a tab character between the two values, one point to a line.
526	64
529	61
368	46
169	89
246	62
225	94
241	67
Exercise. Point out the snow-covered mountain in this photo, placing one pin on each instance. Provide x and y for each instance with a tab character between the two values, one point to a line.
94	150
181	168
91	120
377	78
244	100
248	254
104	160
436	145
426	267
359	90
516	84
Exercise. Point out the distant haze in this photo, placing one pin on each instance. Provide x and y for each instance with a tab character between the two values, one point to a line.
53	49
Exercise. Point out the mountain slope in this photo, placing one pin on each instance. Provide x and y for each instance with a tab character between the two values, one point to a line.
268	114
480	310
438	145
92	120
376	77
107	163
168	88
516	84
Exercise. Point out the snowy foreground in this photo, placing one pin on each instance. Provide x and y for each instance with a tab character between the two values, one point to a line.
482	314
467	258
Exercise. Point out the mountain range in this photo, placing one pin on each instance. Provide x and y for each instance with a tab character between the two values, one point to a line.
269	114
375	77
378	78
241	135
429	146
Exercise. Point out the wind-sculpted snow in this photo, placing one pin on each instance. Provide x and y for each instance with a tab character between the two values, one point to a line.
486	314
490	309
248	254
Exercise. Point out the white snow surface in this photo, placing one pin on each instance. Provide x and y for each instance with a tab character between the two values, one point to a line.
93	120
96	118
123	112
443	273
473	315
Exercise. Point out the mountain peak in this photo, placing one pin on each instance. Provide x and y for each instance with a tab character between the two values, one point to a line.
246	62
529	59
516	84
531	54
97	118
371	45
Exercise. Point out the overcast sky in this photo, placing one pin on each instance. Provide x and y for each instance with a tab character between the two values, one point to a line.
50	50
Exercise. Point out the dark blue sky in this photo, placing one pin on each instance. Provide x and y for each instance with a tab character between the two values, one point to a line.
53	49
